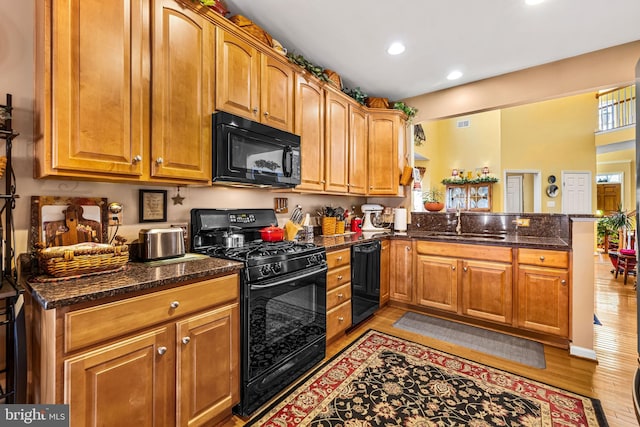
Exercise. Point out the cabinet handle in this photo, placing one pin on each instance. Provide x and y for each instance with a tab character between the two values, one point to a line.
542	258
453	267
266	113
340	296
339	258
464	269
340	277
137	158
159	160
407	248
371	187
162	350
255	110
563	282
323	181
174	304
340	319
185	340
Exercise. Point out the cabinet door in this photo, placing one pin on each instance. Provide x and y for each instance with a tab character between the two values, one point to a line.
183	55
237	76
385	259
358	135
480	197
336	143
276	94
208	366
456	198
400	271
99	78
309	119
383	177
487	291
131	382
437	282
543	300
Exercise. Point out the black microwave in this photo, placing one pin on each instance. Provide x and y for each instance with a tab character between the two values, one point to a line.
250	153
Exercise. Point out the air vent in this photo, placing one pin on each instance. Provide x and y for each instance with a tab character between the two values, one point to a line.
464	123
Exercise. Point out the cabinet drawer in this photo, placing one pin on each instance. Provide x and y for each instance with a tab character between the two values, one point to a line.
338	258
466	251
338	276
338	319
543	258
92	325
338	295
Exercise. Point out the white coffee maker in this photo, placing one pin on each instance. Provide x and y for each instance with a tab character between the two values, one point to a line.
372	213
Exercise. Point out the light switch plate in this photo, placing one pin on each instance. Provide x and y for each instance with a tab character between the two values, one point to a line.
551	204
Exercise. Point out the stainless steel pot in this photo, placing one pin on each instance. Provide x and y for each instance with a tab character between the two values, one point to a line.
232	240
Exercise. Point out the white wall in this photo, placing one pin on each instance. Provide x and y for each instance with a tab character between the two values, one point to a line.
17	78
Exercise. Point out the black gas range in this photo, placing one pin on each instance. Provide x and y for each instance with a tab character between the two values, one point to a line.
283	299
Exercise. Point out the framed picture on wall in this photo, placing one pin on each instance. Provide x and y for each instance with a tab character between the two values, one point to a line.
152	205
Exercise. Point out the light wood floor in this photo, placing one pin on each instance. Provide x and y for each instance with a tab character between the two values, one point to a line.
610	379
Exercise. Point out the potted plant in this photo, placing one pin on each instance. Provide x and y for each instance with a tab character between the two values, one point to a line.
610	227
433	200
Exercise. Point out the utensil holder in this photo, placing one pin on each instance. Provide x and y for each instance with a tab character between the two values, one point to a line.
328	225
340	227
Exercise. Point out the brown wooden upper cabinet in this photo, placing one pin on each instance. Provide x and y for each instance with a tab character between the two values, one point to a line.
309	124
252	84
386	134
93	77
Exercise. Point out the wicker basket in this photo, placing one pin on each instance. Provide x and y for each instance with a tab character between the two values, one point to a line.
339	227
334	78
253	29
3	165
377	102
83	258
328	225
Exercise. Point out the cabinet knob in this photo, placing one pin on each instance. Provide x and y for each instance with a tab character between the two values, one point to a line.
464	269
563	282
340	277
371	187
323	181
255	110
266	113
542	258
340	296
159	160
407	248
174	304
137	158
162	350
453	267
185	340
339	258
340	319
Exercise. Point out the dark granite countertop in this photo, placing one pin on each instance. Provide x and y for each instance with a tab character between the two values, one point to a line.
136	276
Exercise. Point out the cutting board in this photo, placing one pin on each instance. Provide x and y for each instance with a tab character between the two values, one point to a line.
73	229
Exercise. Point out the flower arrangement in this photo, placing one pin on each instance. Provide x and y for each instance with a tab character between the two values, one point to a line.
474	180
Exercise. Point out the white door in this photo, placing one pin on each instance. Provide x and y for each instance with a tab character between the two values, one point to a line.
514	194
576	194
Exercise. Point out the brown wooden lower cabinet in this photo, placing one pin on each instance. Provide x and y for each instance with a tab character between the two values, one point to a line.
338	292
526	290
385	259
176	364
401	271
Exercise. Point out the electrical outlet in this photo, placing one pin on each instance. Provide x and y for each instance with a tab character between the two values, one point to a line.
115	218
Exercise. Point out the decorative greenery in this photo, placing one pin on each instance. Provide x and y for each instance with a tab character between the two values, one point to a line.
609	226
207	2
432	196
356	94
409	111
476	180
312	68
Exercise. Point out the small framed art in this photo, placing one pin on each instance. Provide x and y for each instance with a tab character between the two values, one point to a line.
153	205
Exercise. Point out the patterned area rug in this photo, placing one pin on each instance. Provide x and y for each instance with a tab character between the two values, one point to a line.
381	380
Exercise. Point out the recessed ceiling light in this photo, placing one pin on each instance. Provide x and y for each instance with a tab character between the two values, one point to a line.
533	2
395	49
454	75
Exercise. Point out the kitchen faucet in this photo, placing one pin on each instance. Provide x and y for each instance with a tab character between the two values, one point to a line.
458	222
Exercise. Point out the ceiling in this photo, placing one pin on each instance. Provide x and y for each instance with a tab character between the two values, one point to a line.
480	38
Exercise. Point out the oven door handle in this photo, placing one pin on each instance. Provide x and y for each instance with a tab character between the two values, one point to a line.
287	280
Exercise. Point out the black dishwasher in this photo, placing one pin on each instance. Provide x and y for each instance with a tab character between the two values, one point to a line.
365	280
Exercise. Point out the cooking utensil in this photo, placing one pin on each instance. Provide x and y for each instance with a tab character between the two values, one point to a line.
272	234
296	215
233	240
